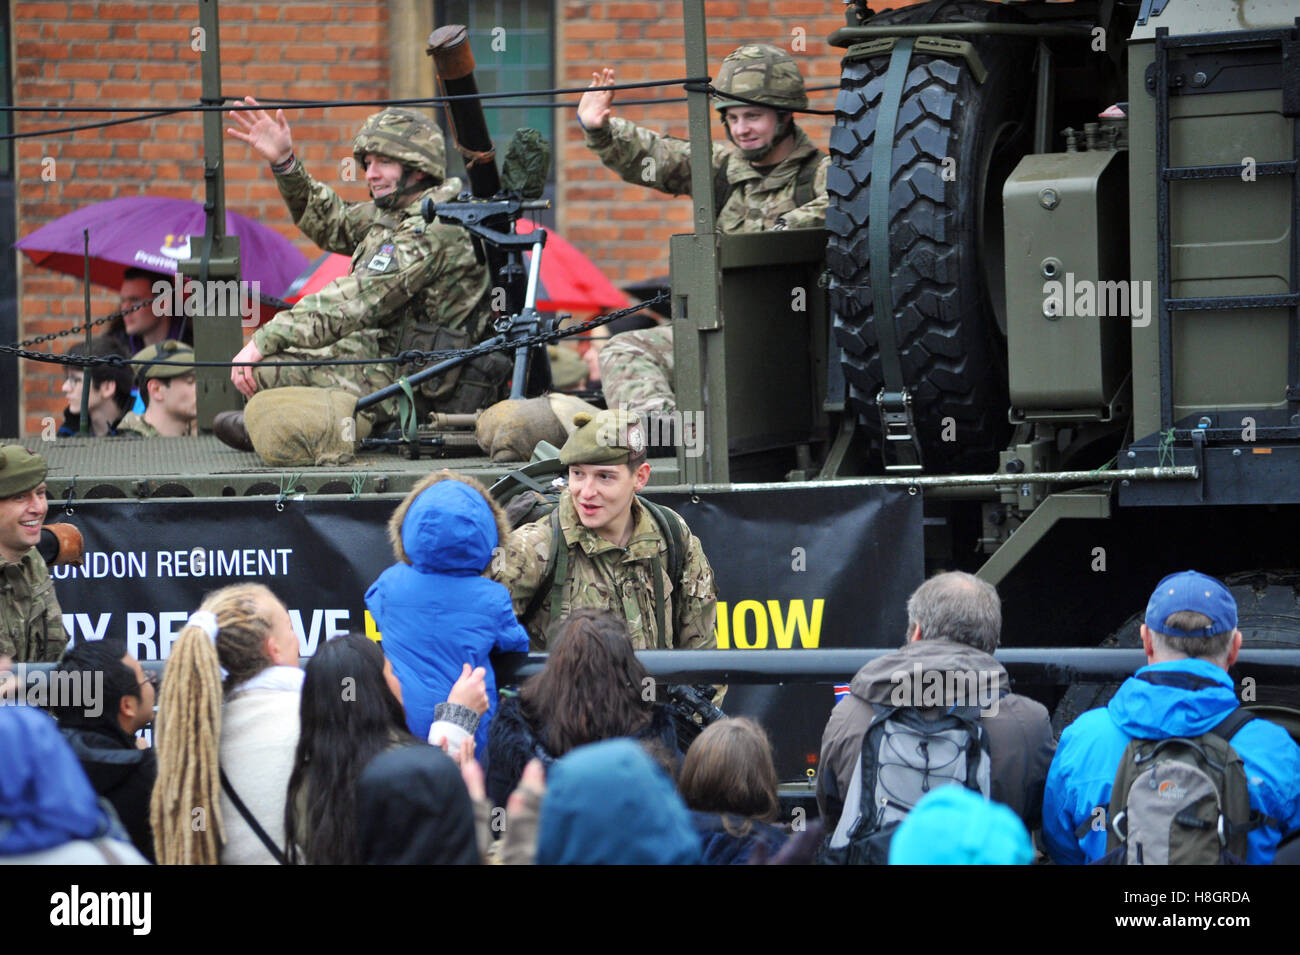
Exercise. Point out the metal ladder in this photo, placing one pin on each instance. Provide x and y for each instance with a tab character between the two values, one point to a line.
1289	42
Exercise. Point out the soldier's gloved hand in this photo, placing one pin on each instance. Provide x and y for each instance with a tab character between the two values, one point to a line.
594	107
61	544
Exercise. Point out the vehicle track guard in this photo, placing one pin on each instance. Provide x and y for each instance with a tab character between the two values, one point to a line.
934	45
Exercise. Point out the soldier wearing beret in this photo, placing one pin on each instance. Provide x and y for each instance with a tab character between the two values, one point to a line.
31	623
614	553
170	399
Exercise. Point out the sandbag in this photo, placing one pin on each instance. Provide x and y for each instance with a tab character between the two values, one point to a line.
301	427
510	430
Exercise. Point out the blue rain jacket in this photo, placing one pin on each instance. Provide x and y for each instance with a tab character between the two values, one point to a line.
1083	770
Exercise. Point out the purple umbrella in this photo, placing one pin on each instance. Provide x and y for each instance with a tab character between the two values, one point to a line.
153	233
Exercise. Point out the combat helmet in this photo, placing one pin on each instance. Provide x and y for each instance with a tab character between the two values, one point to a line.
763	73
411	138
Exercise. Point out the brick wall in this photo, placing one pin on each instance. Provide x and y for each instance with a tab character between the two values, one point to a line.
625	228
140	53
133	54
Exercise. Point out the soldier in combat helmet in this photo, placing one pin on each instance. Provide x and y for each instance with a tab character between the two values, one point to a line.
767	176
603	547
413	285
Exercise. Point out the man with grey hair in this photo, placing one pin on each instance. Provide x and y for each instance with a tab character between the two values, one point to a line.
945	665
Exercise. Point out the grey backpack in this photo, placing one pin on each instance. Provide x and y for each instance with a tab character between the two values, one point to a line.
906	753
1181	801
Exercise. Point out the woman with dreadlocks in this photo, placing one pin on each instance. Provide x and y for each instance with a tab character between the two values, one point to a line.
225	752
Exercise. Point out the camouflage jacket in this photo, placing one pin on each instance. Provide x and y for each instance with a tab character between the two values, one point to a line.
758	202
134	425
408	277
31	623
608	577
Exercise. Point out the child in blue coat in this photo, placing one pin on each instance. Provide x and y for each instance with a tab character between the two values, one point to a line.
434	608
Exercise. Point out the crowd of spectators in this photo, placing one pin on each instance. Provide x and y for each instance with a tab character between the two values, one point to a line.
256	758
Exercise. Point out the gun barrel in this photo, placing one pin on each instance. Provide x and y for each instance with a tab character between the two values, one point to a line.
454	64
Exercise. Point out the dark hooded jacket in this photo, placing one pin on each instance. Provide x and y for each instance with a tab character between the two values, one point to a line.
120	773
1019	732
513	741
413	809
733	840
433	607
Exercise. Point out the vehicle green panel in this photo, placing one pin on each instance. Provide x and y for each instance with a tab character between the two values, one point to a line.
1065	216
1229	236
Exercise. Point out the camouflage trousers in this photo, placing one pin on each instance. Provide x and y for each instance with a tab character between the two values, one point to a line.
636	371
359	380
477	384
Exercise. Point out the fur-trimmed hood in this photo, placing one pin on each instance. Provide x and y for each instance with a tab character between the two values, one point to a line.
447	530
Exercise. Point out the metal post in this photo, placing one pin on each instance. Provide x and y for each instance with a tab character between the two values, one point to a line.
84	428
696	305
215	256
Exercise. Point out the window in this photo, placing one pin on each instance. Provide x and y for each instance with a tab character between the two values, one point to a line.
513	43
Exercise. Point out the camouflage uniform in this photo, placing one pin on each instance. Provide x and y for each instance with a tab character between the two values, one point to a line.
412	285
134	425
605	576
636	368
31	623
601	574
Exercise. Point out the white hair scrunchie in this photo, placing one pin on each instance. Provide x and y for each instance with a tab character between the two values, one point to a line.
206	621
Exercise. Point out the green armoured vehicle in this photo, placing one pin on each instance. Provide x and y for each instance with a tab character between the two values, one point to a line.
1084	232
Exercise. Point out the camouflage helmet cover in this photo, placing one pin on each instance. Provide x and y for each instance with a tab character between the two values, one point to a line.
411	138
763	73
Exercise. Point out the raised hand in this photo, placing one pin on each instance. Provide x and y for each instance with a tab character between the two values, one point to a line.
594	107
270	138
471	689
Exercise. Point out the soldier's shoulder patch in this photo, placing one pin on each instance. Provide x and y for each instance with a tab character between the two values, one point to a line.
381	259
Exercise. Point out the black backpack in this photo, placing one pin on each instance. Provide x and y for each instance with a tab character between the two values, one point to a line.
906	752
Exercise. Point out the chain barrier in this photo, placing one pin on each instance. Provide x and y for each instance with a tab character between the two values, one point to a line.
407	357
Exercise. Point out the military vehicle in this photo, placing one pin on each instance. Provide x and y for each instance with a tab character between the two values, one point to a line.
1081	225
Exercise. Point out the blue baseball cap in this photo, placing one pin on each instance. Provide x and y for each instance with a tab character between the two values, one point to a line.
1190	590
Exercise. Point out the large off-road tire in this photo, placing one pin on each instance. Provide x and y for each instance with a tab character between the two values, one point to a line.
1268	616
945	234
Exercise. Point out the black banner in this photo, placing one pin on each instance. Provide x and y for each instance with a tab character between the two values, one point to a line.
796	567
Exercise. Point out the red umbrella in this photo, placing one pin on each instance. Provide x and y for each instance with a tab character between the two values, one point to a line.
570	282
154	233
